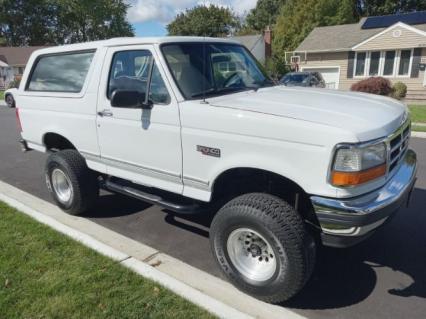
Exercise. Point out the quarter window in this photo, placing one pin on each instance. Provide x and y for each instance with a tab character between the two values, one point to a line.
61	72
404	62
360	63
388	68
130	71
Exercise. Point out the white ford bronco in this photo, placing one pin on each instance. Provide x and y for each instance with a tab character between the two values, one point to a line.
194	125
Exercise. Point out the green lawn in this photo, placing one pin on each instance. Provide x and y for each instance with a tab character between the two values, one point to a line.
418	113
44	274
1	95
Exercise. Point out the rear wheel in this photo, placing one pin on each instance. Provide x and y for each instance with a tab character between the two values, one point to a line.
73	186
261	244
10	101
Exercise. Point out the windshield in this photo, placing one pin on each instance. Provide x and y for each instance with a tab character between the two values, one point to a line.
295	78
208	69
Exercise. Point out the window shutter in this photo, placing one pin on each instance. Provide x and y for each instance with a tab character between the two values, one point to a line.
351	58
416	62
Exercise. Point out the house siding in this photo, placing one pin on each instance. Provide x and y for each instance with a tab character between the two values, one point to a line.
340	59
407	39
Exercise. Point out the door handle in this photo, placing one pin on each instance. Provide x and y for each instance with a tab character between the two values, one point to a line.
105	113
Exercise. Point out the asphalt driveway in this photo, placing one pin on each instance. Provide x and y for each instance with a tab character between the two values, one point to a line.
384	277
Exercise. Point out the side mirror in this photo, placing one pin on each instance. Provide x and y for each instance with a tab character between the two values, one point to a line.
129	99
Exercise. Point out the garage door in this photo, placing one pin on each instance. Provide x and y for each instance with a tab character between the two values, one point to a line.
331	75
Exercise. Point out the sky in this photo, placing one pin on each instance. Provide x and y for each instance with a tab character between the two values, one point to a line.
150	17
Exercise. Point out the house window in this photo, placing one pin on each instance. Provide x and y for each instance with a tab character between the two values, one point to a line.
374	63
388	69
361	57
404	63
392	63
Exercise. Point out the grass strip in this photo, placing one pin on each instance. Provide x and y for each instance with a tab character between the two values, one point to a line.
44	274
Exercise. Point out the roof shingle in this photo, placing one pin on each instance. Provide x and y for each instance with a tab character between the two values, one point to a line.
340	37
17	56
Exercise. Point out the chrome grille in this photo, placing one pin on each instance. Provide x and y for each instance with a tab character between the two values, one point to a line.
398	145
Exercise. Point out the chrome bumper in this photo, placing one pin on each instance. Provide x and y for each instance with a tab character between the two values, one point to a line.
357	217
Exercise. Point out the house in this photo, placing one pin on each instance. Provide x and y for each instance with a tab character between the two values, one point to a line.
391	46
12	63
259	45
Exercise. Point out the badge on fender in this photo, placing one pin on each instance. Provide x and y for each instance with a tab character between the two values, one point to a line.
209	151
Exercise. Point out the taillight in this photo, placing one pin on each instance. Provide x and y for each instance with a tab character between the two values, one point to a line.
18	120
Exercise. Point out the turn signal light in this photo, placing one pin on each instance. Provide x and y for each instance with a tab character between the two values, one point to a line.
357	178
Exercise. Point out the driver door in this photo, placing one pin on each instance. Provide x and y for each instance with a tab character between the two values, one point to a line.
140	145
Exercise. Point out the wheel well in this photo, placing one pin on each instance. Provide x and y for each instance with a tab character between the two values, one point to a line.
238	181
56	142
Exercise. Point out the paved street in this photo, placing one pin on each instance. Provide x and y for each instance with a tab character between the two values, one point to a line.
384	277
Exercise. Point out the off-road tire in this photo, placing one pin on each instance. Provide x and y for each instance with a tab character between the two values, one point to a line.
83	181
283	228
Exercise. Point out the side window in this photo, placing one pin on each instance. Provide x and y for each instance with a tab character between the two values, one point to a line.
130	71
60	72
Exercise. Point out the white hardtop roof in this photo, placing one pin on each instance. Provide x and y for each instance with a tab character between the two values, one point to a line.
129	41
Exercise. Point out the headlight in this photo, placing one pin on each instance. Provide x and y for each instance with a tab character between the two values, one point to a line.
355	165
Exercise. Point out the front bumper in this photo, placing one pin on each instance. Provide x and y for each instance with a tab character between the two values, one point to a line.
346	222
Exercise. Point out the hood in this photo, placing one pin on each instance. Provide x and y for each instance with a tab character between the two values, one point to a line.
365	115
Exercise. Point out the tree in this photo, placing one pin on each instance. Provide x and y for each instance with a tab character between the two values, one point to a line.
89	20
298	18
212	21
26	22
42	22
384	7
264	14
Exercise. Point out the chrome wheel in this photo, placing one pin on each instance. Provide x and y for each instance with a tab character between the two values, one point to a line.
251	254
61	185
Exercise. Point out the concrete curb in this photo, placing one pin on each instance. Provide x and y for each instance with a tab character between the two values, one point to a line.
209	292
418	124
418	134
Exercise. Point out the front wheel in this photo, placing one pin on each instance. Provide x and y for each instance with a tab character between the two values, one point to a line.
261	245
73	186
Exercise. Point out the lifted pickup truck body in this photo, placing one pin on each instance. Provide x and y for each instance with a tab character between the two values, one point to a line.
199	136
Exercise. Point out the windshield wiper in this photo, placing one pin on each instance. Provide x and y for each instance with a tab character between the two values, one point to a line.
198	94
227	90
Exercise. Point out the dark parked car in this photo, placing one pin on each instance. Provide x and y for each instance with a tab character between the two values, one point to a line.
307	79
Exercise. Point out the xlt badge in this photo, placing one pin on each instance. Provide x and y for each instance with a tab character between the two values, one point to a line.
205	150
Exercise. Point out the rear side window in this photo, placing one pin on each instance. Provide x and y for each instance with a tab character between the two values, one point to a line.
60	72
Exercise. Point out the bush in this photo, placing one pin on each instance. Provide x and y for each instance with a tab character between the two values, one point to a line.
399	90
15	83
374	85
275	68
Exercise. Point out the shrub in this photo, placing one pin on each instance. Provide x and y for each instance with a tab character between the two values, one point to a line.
374	85
15	82
399	90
